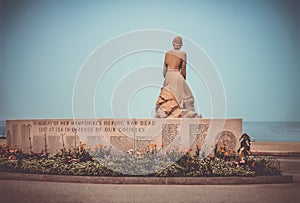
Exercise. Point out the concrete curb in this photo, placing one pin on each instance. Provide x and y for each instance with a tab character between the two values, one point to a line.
149	180
277	154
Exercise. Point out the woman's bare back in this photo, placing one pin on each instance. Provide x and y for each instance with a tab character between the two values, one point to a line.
175	60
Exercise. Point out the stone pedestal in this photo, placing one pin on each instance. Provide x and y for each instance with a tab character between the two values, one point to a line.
123	134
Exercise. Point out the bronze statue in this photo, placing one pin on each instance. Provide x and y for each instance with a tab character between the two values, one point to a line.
176	99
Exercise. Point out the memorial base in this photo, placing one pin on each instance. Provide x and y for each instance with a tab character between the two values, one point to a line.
122	135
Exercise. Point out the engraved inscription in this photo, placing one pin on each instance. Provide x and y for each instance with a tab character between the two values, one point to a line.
122	134
227	139
142	145
14	134
54	142
93	141
170	135
71	142
197	134
122	143
38	143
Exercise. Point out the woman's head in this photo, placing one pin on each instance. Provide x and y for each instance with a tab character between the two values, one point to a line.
177	42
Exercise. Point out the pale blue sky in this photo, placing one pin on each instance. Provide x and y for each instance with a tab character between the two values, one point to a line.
254	45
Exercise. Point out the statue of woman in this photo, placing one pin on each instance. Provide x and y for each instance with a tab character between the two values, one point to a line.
176	99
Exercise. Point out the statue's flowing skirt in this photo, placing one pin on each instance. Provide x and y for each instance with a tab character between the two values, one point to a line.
176	99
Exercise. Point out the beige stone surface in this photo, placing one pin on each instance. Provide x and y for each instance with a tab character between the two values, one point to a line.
2	141
123	134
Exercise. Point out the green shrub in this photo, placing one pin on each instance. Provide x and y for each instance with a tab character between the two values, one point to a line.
80	162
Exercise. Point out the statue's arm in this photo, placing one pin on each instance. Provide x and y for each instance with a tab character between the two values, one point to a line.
183	69
183	66
165	66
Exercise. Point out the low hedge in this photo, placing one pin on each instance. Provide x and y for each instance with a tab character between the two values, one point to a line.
81	162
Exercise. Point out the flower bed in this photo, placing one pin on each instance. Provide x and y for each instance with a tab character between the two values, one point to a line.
100	162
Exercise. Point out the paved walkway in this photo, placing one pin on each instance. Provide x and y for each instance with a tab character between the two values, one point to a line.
29	191
34	191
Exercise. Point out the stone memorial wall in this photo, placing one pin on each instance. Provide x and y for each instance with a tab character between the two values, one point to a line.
122	135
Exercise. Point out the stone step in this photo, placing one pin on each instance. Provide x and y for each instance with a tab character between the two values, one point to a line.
290	164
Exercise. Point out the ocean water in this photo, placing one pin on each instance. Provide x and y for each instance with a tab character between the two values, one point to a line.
273	131
258	131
